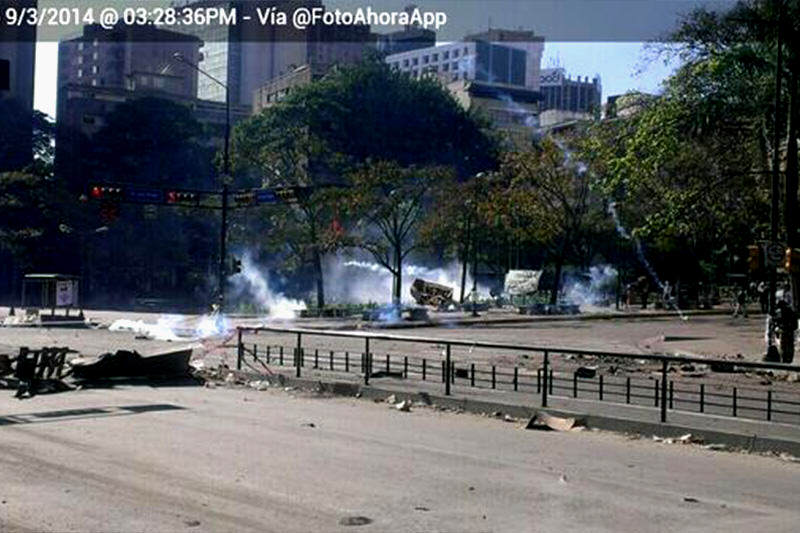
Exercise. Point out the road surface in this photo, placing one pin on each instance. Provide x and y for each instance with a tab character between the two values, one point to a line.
197	459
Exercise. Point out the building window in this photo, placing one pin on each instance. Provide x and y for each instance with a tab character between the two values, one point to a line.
466	51
80	72
455	65
94	83
95	42
455	53
95	56
415	61
405	62
425	60
95	69
414	73
445	55
80	60
435	58
446	67
80	47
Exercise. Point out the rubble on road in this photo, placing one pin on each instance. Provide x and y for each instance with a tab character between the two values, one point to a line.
543	421
404	406
129	363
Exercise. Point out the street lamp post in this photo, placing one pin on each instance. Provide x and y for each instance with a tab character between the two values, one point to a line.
226	170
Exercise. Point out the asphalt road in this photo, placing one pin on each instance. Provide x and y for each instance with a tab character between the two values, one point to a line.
197	459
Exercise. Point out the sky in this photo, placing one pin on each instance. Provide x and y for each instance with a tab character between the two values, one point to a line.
622	66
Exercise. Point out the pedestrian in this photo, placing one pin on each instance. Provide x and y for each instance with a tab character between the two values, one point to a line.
666	295
741	303
644	289
763	297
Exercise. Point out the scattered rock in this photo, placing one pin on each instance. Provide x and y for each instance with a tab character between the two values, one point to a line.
210	385
259	385
788	457
191	523
689	499
404	406
230	378
563	478
358	395
715	447
509	418
425	398
497	414
690	439
421	508
355	521
391	399
288	389
309	425
586	372
471	489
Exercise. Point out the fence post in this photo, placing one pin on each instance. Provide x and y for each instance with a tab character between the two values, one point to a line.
316	358
550	382
239	351
255	352
628	390
388	365
516	378
574	384
769	405
702	397
664	364
655	393
538	380
331	360
671	392
424	367
734	401
600	388
447	374
299	354
280	355
472	375
347	361
366	361
405	366
494	377
544	377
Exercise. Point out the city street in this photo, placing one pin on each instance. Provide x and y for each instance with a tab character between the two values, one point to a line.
199	459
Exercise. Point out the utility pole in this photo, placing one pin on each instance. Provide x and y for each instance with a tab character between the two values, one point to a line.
226	173
776	178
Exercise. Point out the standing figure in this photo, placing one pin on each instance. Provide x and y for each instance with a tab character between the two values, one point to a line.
644	290
741	303
763	297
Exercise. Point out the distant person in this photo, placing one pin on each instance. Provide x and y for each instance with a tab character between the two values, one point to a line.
644	290
666	295
741	303
763	297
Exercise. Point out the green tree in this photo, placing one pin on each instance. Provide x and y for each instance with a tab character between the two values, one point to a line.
321	132
388	202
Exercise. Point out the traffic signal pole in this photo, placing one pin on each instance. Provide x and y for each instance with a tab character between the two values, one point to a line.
223	235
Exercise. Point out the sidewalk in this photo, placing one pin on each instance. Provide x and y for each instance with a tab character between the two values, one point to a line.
736	433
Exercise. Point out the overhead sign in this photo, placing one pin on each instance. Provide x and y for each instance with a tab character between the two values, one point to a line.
775	254
66	293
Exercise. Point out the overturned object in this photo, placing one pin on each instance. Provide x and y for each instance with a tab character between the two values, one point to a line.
125	363
522	282
429	293
546	422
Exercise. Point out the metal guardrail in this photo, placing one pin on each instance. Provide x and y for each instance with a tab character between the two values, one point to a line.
662	393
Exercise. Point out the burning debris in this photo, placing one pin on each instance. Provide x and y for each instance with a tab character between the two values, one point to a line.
430	293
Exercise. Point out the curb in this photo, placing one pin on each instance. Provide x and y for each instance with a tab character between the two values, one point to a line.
731	440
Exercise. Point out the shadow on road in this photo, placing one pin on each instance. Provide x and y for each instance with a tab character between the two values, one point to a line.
85	413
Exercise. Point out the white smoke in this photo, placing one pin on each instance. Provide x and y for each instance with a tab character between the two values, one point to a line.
177	328
252	285
597	289
355	281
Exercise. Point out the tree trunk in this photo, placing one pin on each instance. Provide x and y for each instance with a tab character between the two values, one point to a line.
790	207
320	281
398	286
464	261
559	267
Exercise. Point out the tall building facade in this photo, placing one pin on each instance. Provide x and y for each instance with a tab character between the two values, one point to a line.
561	92
130	58
17	63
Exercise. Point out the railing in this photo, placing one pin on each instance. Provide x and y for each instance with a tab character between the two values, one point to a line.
724	397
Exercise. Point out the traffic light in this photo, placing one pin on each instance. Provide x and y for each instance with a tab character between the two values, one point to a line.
244	198
236	266
181	198
792	261
105	192
754	260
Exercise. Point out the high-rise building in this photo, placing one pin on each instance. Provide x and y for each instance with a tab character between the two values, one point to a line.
562	93
17	62
520	40
130	57
410	38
